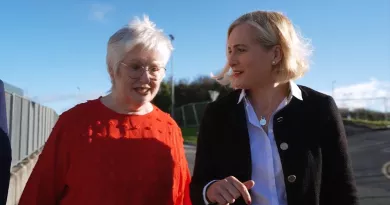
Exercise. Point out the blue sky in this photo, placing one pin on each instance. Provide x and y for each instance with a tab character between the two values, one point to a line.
52	48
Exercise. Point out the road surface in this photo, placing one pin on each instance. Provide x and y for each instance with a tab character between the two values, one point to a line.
370	154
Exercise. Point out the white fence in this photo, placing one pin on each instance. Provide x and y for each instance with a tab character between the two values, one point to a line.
29	125
374	109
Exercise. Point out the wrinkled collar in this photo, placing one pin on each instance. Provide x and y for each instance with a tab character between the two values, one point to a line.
295	91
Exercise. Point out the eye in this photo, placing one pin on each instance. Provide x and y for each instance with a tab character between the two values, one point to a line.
241	50
154	69
136	67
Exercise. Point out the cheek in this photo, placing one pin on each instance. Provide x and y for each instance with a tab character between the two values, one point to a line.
155	87
258	67
123	83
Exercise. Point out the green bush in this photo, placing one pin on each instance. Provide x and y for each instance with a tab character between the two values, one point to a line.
370	123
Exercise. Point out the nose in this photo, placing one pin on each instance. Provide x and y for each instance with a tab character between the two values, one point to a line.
232	60
145	77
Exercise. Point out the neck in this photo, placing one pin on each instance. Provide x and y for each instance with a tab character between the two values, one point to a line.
265	100
118	104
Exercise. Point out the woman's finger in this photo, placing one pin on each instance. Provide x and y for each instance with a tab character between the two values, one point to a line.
223	191
232	190
221	200
241	188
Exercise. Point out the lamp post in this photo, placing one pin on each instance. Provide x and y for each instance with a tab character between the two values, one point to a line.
333	88
171	37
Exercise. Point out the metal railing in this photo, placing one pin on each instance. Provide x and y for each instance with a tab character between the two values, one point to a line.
190	115
371	109
29	125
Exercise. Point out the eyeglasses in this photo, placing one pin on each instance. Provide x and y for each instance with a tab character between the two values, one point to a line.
136	70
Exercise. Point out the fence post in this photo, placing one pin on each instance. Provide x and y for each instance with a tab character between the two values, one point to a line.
195	114
184	116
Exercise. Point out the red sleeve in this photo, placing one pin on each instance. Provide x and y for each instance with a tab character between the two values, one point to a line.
46	183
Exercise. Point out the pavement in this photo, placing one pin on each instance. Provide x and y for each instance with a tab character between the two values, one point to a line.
370	155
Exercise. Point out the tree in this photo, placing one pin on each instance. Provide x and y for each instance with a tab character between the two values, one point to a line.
163	97
188	92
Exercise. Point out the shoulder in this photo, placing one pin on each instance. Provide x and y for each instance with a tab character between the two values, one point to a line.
165	117
320	103
316	98
312	95
81	110
225	102
219	108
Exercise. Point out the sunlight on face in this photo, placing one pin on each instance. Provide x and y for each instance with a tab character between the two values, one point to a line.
250	62
139	75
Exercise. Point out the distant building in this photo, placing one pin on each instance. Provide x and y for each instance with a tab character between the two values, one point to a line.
13	89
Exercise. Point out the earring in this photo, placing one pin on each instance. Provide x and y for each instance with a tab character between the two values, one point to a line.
273	62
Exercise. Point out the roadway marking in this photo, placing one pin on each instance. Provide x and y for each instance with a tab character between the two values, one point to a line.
386	169
387	150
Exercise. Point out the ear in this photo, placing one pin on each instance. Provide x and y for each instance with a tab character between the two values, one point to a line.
111	72
276	54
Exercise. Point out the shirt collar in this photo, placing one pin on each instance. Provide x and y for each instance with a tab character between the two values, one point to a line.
295	91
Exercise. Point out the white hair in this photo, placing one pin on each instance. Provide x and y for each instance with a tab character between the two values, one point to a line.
274	28
138	32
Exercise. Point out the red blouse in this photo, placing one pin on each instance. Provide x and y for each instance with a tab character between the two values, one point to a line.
99	157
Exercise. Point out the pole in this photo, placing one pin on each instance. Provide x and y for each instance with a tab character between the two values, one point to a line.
172	82
385	101
333	88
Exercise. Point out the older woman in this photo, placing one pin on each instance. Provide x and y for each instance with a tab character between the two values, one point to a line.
271	142
118	149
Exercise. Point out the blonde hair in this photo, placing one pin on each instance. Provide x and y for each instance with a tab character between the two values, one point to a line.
137	33
275	29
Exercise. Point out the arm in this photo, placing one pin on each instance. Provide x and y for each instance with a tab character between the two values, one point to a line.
46	183
338	183
203	170
5	166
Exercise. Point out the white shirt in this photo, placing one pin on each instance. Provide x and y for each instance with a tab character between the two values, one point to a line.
267	172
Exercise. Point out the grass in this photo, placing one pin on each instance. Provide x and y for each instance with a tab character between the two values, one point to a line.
189	135
371	124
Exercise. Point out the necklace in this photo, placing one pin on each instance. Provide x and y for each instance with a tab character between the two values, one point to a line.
263	121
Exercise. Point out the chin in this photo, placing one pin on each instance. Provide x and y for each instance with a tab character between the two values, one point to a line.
141	99
239	84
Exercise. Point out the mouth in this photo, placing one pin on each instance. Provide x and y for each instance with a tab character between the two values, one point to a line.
142	90
237	73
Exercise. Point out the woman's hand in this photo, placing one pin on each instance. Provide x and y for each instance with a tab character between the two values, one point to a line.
227	190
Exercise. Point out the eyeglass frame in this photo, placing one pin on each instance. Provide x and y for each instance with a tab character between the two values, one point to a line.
144	69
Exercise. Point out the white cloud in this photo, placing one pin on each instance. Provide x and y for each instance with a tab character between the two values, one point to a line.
373	95
99	12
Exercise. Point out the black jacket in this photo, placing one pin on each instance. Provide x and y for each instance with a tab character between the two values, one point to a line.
5	165
316	165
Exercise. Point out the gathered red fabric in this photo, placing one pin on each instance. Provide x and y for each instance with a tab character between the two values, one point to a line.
95	156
